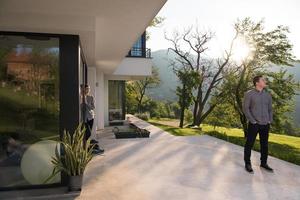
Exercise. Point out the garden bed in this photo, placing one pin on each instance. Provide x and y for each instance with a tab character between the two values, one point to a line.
131	131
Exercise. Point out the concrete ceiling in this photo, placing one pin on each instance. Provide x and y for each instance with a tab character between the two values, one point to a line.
107	28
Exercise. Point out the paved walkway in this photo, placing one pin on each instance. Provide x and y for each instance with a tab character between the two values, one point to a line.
165	167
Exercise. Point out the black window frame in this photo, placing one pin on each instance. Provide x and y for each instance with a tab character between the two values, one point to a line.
68	90
145	52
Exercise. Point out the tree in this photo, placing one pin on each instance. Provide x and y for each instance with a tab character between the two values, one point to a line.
283	88
210	72
188	80
4	51
267	48
136	90
223	115
139	87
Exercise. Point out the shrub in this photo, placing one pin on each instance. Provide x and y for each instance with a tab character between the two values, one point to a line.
188	116
144	116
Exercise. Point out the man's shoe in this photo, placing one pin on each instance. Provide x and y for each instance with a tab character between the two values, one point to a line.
267	167
98	151
248	168
94	141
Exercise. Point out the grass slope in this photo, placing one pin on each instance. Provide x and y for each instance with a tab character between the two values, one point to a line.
280	146
17	109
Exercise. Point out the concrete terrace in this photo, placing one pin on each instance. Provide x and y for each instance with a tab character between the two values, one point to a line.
196	167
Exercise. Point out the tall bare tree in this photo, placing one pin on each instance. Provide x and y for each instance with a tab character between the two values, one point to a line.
190	47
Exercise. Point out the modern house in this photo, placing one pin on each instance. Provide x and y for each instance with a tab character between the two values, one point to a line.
47	50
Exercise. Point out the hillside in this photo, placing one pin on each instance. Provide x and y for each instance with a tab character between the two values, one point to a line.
166	90
296	71
169	81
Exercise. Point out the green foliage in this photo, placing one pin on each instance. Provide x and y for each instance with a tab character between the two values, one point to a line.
188	80
282	151
77	153
136	90
137	100
223	115
3	53
157	21
268	48
175	130
188	116
158	109
144	116
131	99
283	88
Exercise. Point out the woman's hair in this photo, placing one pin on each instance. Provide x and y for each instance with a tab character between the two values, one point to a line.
84	86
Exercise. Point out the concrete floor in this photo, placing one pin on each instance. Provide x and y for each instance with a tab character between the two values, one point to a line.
182	168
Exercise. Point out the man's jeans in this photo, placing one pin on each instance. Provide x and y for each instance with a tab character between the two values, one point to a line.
263	131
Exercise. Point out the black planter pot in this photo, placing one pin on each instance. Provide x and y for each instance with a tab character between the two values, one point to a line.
75	183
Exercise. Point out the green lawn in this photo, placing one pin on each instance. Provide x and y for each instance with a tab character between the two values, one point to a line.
281	146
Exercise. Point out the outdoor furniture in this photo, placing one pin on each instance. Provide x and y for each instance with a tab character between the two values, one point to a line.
131	132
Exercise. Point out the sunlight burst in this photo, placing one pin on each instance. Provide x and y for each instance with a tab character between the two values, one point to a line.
241	50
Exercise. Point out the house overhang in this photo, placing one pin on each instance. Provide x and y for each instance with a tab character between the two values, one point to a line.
134	67
107	28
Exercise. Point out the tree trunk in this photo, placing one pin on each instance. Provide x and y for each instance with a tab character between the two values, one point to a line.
196	107
181	117
243	120
182	105
195	112
198	120
139	106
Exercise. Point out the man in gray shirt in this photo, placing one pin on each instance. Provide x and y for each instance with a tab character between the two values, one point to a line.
257	107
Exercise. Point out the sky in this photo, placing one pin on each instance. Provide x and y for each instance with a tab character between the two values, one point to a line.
219	16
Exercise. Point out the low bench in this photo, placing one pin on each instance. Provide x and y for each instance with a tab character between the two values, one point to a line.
131	132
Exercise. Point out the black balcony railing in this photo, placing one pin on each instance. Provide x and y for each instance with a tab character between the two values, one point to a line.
139	52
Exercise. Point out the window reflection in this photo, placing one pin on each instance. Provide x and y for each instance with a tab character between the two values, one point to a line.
29	101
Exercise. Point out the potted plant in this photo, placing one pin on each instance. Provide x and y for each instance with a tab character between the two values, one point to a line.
75	154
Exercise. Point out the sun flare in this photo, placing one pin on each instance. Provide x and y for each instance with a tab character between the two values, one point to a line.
241	50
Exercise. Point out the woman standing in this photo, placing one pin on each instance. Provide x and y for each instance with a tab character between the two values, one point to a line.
88	115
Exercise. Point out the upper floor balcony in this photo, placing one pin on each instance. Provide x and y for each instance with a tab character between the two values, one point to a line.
139	48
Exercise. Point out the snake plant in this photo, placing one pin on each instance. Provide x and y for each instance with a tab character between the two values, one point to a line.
75	154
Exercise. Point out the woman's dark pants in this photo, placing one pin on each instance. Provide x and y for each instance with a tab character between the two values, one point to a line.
89	127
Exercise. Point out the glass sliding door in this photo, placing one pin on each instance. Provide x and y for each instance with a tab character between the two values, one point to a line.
116	100
29	109
82	82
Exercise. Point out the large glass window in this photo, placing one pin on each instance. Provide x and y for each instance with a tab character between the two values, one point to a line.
137	48
29	109
116	100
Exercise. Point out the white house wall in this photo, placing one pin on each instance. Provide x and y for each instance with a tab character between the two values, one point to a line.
134	66
99	90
